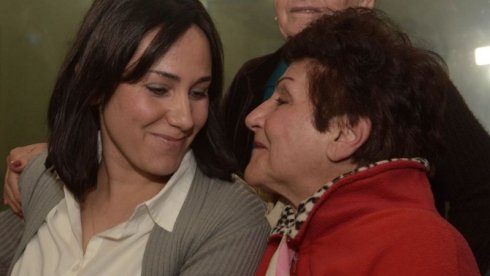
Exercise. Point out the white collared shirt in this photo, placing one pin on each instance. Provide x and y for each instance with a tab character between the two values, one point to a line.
56	249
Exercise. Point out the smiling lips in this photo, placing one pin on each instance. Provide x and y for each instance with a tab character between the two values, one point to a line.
170	140
308	10
258	145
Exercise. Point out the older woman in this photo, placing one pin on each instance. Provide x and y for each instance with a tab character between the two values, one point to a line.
345	140
135	180
461	182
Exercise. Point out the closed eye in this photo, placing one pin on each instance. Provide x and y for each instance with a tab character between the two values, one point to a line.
198	94
157	90
280	101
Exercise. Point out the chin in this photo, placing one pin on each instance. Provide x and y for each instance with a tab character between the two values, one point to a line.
250	176
254	176
167	170
156	169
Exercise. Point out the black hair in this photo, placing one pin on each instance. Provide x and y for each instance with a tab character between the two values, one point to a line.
107	39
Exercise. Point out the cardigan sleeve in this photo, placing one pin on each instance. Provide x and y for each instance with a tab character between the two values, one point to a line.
233	238
30	176
228	253
232	229
11	228
221	230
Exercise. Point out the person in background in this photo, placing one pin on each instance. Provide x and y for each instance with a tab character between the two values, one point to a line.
136	180
461	174
346	140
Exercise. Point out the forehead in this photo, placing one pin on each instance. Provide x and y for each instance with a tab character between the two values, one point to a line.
191	49
298	70
295	80
330	4
144	43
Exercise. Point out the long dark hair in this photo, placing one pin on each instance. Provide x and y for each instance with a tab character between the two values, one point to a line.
107	39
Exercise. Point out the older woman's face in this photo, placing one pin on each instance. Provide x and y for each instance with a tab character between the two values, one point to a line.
289	155
149	125
294	15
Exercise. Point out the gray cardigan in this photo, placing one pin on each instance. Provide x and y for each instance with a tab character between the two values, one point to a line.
221	228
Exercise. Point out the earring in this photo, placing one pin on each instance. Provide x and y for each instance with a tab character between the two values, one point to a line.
275	18
99	146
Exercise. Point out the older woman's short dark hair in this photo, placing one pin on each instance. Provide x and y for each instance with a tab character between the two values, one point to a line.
363	66
107	39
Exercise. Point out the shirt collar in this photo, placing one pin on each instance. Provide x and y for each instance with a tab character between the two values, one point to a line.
164	208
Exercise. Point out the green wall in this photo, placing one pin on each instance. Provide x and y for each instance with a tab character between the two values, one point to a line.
34	35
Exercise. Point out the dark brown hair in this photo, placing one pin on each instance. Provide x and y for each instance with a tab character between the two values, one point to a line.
362	65
107	39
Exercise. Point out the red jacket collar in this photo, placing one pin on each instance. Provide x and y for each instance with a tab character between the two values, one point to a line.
393	184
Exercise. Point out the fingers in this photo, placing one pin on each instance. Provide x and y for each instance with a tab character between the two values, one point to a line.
16	166
11	195
20	156
28	152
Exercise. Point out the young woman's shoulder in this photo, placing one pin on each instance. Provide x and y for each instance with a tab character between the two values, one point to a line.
221	230
227	199
40	187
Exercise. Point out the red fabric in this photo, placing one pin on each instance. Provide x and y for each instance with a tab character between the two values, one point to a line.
381	221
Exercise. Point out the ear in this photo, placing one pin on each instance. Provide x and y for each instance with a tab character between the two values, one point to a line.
366	3
346	139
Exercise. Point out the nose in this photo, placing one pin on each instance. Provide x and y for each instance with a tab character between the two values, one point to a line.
179	114
255	119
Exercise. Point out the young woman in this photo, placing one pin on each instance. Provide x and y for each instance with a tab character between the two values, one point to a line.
136	180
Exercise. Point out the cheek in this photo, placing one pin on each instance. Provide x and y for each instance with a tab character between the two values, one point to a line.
126	98
138	114
141	109
200	112
282	139
282	24
339	5
281	16
288	140
279	6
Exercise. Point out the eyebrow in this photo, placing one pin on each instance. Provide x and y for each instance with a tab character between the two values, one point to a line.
177	78
283	79
281	89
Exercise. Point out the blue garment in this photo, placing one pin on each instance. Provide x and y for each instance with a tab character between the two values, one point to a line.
270	85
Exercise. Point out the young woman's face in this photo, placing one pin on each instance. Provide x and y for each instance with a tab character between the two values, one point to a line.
289	155
294	15
148	126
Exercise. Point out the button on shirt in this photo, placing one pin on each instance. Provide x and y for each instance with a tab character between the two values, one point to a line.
56	249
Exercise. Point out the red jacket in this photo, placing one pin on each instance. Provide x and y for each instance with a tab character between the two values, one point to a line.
380	221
